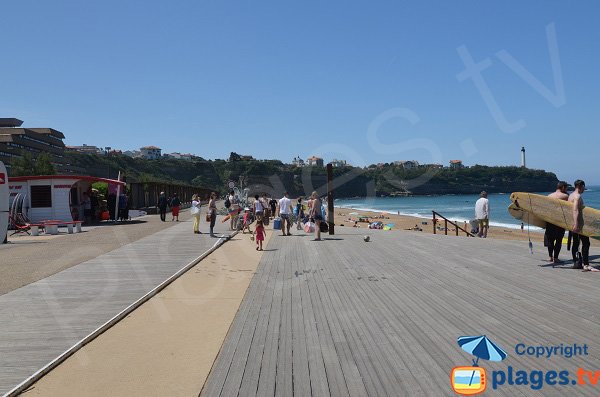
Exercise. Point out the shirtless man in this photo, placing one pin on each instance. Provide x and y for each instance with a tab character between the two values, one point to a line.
577	201
555	234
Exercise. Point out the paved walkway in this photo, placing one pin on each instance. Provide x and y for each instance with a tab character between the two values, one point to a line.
27	259
343	317
45	318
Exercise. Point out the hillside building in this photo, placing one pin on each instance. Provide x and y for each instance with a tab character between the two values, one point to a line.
407	164
180	156
315	161
335	163
456	164
86	149
298	162
150	152
15	140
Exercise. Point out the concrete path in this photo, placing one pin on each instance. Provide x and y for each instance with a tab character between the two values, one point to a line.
45	318
343	317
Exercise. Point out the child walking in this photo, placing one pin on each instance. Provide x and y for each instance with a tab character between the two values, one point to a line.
259	232
247	221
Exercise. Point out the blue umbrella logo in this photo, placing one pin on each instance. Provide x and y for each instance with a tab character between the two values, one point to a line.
481	347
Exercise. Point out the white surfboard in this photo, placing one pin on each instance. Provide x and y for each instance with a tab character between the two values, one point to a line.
3	202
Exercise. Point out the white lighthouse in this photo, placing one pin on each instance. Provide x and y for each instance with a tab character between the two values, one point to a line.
523	164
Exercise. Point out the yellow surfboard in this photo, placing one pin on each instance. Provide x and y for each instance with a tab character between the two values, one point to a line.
557	212
525	216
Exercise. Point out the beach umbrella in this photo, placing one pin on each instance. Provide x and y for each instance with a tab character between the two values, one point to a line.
481	347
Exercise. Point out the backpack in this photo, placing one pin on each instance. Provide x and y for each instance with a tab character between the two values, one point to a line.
227	202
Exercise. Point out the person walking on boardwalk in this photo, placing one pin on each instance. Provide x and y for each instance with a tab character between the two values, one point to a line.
554	234
316	214
577	201
267	209
258	208
212	213
482	214
299	212
273	204
259	235
247	221
162	206
195	211
234	209
285	213
175	205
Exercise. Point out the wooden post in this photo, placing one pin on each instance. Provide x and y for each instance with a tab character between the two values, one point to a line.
434	221
445	226
330	209
117	200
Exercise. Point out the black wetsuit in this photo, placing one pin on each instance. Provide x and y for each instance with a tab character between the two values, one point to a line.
585	249
554	237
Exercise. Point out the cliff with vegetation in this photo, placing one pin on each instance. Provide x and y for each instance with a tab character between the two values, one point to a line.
274	177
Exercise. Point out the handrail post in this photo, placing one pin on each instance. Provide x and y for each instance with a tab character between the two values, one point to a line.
446	221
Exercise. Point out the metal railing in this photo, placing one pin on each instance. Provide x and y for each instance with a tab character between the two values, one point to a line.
446	222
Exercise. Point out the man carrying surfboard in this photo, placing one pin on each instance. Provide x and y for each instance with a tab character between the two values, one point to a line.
555	234
577	201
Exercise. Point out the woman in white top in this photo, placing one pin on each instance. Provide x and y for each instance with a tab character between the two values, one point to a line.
195	211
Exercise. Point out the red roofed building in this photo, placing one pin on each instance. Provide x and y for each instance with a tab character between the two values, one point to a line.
456	164
315	161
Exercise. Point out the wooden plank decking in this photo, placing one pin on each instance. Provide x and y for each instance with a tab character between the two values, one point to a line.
45	318
343	317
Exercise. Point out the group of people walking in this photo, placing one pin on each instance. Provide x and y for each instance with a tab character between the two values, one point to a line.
263	208
173	202
286	210
554	235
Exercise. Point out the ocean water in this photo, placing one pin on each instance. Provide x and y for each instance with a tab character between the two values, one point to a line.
459	208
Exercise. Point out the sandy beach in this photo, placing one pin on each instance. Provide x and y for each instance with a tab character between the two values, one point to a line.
404	223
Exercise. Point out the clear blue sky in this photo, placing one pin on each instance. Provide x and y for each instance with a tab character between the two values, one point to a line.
276	79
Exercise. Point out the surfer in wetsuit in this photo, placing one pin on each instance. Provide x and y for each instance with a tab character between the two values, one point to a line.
577	201
555	234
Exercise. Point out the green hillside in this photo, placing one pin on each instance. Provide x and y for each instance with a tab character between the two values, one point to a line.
272	176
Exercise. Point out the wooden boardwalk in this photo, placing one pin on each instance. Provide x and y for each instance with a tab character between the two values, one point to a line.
45	318
347	318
